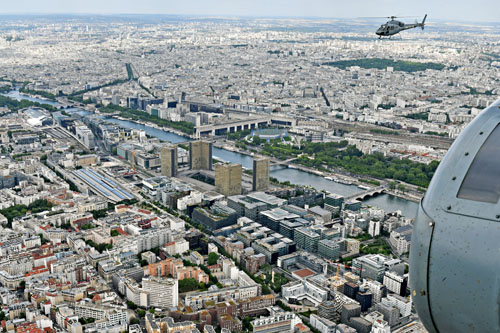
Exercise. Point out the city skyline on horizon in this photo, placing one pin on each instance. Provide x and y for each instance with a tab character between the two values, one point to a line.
321	9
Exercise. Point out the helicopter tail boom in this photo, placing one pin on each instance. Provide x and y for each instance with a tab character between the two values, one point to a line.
423	22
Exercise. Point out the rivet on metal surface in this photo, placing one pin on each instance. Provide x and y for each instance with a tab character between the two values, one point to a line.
449	207
431	224
422	292
466	154
480	133
454	178
414	293
498	216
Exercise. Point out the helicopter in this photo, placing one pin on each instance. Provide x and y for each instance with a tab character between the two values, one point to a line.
394	27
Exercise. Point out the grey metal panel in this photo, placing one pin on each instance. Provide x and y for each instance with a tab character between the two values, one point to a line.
457	287
449	176
463	274
420	248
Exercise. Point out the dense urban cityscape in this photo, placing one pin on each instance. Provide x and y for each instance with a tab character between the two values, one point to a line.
192	174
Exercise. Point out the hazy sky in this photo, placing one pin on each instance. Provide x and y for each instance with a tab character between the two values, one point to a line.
470	10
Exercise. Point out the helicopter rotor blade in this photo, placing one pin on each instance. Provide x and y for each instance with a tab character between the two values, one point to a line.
369	17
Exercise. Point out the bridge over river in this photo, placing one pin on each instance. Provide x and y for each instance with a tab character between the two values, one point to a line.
367	193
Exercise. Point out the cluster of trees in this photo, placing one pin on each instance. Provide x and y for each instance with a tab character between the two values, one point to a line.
377	247
418	116
183	126
375	165
386	106
436	133
201	286
370	181
97	214
283	306
190	284
247	324
114	233
40	205
99	247
128	202
238	135
212	258
87	226
20	210
85	321
43	240
280	151
383	131
42	93
15	105
379	63
341	155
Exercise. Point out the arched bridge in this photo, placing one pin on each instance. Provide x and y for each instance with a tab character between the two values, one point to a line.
285	162
367	193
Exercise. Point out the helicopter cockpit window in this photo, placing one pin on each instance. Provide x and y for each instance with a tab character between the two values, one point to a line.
482	181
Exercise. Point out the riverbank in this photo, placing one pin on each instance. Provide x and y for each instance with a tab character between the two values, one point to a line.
150	124
406	196
356	180
385	201
342	179
295	174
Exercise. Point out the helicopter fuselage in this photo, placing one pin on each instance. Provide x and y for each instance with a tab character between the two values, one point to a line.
394	27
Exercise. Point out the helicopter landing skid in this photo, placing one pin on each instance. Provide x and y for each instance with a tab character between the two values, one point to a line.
390	37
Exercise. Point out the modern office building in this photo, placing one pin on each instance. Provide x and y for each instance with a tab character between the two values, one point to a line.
162	292
402	303
280	322
322	324
200	155
246	207
168	157
306	239
374	228
320	213
260	174
270	200
360	324
329	249
351	289
354	205
300	290
327	310
273	218
333	202
390	312
349	310
331	233
377	289
396	283
85	136
274	247
365	299
228	179
374	266
216	217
